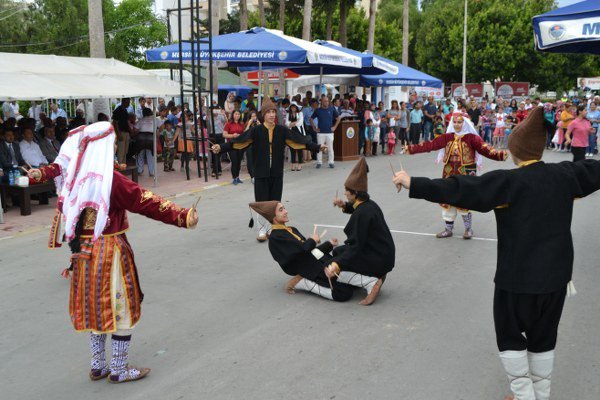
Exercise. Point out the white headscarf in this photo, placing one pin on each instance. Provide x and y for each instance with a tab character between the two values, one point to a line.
468	128
86	159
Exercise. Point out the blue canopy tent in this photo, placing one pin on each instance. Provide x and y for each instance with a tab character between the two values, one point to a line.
258	47
570	29
405	76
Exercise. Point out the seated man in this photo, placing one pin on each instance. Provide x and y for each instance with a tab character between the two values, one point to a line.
30	150
10	153
300	257
48	144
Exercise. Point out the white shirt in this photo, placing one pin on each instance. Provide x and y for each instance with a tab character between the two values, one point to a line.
32	153
146	124
58	113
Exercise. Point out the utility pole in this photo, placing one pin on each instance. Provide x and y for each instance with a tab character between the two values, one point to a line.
405	38
97	50
464	66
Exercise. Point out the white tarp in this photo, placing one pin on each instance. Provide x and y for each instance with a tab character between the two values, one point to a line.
41	77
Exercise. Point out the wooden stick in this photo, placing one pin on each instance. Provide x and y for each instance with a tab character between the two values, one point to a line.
336	197
196	203
393	173
322	234
26	171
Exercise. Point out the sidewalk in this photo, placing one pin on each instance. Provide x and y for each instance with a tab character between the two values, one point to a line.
170	185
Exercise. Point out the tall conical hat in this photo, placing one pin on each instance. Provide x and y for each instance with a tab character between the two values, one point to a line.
267	105
357	180
528	139
265	208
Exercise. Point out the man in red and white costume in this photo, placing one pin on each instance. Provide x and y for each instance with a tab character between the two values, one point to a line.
461	150
93	202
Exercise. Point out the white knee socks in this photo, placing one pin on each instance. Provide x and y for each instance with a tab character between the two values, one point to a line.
516	366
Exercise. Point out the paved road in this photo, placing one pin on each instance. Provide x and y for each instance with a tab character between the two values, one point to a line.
217	325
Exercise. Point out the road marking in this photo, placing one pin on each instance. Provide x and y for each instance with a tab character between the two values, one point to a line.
412	233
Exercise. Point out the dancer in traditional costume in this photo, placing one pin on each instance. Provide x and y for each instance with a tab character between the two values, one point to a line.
533	205
268	146
93	200
302	258
461	150
368	253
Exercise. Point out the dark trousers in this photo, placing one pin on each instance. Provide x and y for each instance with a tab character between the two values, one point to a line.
266	189
536	315
215	159
415	133
402	137
297	155
236	157
578	153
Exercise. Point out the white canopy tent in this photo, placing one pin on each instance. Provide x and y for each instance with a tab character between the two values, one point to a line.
41	77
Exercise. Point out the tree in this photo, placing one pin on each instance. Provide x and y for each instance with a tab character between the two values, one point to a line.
371	32
243	15
307	19
261	12
343	35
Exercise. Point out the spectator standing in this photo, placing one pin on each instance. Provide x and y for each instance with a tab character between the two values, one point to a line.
429	110
327	122
144	141
500	126
139	111
402	126
7	111
220	119
522	112
550	123
474	113
577	134
416	118
122	128
232	130
566	117
169	136
229	105
593	116
34	113
294	120
246	103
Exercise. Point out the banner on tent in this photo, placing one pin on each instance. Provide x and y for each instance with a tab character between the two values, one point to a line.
556	32
272	75
587	84
436	93
508	90
473	89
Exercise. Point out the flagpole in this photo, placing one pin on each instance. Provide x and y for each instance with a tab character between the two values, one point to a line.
464	66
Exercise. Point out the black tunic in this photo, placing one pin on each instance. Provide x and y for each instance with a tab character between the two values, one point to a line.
533	207
295	258
369	248
258	136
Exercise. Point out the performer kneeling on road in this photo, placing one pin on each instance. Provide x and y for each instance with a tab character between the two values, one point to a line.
93	198
302	258
268	146
461	150
533	205
368	253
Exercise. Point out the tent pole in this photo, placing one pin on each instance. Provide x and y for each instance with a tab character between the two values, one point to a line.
259	85
154	128
320	82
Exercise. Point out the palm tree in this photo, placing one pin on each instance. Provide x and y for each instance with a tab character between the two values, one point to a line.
281	14
344	4
243	15
371	34
405	33
307	19
261	12
329	6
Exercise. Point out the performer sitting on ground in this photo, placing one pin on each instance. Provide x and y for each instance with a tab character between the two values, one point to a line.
461	150
302	258
533	205
268	146
368	253
93	198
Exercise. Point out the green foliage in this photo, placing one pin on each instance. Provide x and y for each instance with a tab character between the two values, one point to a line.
61	27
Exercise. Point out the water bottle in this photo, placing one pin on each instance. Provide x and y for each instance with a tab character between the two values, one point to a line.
11	177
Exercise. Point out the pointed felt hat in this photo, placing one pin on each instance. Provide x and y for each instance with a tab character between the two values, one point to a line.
265	208
357	180
267	105
528	139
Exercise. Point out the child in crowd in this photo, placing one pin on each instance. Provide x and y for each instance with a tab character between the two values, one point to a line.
499	130
383	131
485	122
169	136
438	128
511	122
369	134
391	141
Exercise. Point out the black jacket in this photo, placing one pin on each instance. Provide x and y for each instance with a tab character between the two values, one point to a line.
5	157
533	207
369	248
258	137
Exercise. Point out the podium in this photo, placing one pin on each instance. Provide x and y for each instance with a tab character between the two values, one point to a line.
345	142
